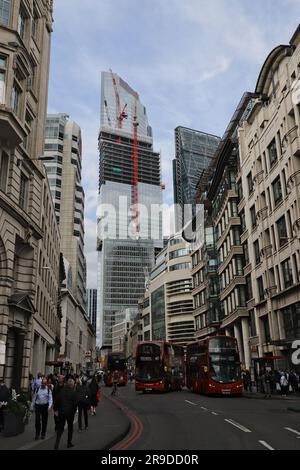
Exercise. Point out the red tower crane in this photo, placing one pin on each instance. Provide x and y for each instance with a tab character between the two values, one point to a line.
135	172
120	113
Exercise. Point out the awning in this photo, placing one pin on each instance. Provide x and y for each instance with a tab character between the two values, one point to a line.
54	363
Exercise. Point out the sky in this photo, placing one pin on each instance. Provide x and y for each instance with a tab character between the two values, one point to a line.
189	60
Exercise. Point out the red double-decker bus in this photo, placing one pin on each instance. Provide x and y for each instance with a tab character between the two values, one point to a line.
159	366
213	366
115	361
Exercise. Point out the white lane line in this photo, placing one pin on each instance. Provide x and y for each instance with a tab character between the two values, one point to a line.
190	402
294	431
237	425
203	408
264	443
214	413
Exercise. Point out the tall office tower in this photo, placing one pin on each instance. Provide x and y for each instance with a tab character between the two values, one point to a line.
63	144
129	178
92	306
194	151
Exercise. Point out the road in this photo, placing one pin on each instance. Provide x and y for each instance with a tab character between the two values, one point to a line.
186	421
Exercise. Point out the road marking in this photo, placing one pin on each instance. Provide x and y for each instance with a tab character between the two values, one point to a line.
294	431
264	443
237	425
214	413
203	408
190	402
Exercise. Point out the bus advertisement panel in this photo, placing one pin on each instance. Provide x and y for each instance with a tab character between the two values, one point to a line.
213	366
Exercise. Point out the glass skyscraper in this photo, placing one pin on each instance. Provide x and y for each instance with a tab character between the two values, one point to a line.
125	258
194	152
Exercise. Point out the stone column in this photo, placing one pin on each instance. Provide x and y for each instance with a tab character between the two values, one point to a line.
18	361
245	331
238	336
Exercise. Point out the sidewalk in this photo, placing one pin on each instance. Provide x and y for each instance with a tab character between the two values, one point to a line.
109	426
274	396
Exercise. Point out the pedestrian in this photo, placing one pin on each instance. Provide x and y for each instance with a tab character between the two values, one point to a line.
58	387
64	407
94	388
84	400
284	385
115	382
42	402
267	383
37	382
4	398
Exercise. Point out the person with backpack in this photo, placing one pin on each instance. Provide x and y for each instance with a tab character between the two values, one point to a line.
42	403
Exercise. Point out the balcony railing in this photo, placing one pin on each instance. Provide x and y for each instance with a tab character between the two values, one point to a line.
289	137
263	213
294	180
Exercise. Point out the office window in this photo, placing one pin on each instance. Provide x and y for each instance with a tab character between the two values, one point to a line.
252	324
15	98
277	191
23	196
250	183
4	162
246	253
260	286
266	325
2	78
249	293
272	150
4	12
256	251
282	232
287	273
21	24
253	216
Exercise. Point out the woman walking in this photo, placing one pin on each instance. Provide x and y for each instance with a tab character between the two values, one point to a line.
94	388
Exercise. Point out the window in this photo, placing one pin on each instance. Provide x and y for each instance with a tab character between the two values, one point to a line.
23	196
21	24
80	337
252	324
4	12
239	263
266	325
282	233
249	293
253	216
250	183
272	153
243	221
256	252
260	286
246	253
4	162
15	98
241	296
35	24
2	78
287	273
277	191
291	318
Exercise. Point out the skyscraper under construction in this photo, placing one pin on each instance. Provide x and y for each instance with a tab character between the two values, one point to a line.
129	223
